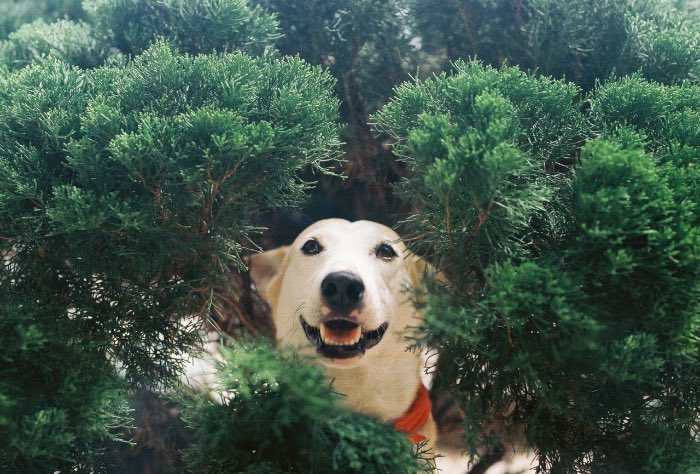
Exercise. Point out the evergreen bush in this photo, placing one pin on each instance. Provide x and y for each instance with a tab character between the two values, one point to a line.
364	44
72	42
573	309
664	121
581	40
194	26
138	150
61	402
279	414
360	41
480	143
18	12
113	28
127	192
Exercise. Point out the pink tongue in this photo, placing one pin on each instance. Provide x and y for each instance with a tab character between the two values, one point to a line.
341	336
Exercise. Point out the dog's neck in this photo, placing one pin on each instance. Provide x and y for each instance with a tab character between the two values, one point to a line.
385	389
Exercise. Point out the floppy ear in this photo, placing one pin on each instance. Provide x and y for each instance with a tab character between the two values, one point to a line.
263	267
418	269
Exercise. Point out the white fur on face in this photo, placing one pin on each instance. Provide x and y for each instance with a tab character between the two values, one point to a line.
347	247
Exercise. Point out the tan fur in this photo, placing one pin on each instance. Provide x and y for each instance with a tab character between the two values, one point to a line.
384	381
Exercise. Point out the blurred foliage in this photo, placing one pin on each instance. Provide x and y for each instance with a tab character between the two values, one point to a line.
15	13
123	28
61	401
361	42
581	41
69	41
279	414
194	26
365	45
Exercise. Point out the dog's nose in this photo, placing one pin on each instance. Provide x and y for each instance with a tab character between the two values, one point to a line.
342	291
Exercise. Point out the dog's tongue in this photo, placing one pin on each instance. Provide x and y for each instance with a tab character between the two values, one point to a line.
340	335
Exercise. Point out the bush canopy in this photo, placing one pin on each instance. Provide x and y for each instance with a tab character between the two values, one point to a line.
543	154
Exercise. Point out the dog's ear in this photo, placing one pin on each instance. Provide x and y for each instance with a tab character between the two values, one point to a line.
418	268
263	267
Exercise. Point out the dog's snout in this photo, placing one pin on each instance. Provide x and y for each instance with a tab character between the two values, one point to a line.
342	291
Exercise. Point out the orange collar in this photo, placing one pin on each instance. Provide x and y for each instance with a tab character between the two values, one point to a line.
416	416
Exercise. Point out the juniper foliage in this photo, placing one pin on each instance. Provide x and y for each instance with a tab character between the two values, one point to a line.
16	13
361	42
364	44
127	192
194	26
117	29
479	143
581	40
61	402
72	42
574	305
280	414
567	223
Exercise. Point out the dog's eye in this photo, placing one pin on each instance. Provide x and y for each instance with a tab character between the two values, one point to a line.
385	251
311	247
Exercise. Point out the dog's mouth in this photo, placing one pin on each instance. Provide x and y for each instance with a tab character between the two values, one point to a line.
341	338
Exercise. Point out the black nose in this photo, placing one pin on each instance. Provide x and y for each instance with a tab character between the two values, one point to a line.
342	291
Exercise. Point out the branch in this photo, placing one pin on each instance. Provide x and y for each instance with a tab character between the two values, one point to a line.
483	218
158	194
448	219
464	18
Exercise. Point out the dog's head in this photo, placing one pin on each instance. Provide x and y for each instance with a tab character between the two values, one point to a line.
342	289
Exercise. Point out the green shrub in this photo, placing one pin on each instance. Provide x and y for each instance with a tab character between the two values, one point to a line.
18	12
194	26
127	192
582	41
132	178
573	308
280	414
60	400
72	42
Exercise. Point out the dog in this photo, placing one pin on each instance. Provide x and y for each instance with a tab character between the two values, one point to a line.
343	291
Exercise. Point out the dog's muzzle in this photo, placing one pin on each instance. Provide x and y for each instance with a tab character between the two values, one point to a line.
341	338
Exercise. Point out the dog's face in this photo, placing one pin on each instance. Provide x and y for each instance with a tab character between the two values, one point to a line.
340	290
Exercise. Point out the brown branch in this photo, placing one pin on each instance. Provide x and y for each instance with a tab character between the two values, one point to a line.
356	54
415	237
518	14
448	219
208	203
222	208
236	305
351	91
483	218
157	193
464	18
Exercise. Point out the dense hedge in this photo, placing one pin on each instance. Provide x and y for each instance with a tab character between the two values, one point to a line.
127	191
573	305
141	141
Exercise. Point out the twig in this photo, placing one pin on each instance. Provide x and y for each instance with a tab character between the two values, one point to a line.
467	27
483	218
